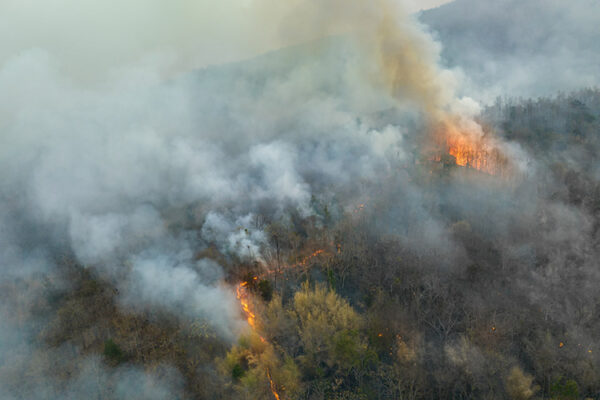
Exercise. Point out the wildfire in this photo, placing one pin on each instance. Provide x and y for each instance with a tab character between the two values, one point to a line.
302	263
272	384
470	147
467	153
242	295
306	259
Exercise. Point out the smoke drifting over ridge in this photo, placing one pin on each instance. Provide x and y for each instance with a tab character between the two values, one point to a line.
100	168
136	175
514	48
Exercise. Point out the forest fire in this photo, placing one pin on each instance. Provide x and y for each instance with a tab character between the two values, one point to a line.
470	149
302	263
242	295
467	154
272	384
314	254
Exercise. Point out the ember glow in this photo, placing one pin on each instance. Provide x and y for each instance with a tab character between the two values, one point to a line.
272	384
308	258
305	261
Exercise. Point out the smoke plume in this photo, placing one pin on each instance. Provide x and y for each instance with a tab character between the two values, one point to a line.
134	146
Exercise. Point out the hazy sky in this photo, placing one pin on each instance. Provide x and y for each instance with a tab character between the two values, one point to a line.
88	37
416	5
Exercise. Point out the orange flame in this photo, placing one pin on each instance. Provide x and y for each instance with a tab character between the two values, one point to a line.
272	384
470	148
302	263
242	295
306	259
466	153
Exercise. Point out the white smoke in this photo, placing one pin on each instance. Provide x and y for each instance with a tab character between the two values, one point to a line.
108	171
115	149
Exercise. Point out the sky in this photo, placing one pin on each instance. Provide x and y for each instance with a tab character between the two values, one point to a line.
89	38
416	5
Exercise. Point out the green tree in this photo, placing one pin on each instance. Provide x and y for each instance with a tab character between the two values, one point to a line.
265	289
112	351
563	389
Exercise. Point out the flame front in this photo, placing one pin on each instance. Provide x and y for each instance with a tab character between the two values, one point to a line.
306	259
242	295
467	152
272	384
471	147
302	263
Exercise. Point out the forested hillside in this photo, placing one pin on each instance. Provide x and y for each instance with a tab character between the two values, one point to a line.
356	304
362	204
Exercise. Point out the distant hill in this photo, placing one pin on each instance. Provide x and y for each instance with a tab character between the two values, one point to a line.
520	47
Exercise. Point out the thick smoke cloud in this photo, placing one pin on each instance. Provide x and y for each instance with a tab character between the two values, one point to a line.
93	379
134	175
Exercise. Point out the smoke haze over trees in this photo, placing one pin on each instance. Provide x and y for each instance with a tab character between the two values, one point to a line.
183	218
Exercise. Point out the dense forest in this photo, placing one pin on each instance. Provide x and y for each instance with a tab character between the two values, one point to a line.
357	304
